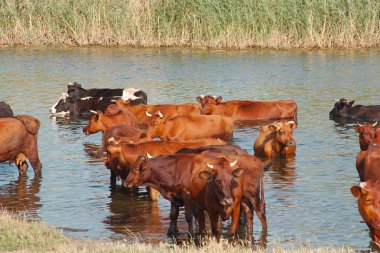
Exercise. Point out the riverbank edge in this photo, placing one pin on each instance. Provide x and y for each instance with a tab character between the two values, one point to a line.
18	233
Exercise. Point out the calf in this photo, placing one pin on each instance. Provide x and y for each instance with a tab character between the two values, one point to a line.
5	110
276	140
190	127
247	109
344	109
112	117
368	195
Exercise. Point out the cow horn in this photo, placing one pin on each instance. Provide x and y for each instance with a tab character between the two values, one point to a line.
214	97
149	155
94	112
336	100
363	185
233	163
374	124
209	165
112	139
202	96
357	122
291	122
113	100
160	114
148	114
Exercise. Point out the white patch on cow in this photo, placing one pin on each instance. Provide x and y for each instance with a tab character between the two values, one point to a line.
129	94
101	98
85	98
71	84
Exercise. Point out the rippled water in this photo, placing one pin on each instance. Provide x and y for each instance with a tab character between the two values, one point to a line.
308	198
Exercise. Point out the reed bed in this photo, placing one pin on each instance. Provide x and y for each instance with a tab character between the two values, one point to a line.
18	233
232	24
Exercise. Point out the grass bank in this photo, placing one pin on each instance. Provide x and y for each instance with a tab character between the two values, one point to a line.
17	234
236	24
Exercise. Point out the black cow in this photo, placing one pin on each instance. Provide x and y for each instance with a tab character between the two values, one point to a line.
345	109
78	101
5	110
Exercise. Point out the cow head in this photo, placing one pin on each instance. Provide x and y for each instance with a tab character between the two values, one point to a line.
220	177
342	108
64	105
140	173
115	158
282	132
95	124
208	103
367	134
368	195
156	125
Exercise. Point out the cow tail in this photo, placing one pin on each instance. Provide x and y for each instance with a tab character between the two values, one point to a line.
262	198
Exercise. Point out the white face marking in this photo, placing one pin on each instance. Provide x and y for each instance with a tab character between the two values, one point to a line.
64	97
129	94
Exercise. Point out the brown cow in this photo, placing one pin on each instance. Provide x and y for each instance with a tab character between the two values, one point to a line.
368	195
144	112
252	188
217	189
226	149
276	140
247	109
18	141
368	162
190	127
113	116
170	175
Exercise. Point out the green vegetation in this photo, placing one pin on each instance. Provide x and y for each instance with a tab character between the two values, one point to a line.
16	233
192	23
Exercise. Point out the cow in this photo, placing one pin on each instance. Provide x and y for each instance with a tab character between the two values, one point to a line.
276	140
344	109
250	190
78	101
247	109
5	110
145	112
190	127
368	162
18	141
170	175
368	195
113	116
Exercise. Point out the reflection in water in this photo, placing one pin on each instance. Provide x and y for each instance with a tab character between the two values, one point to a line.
22	196
282	172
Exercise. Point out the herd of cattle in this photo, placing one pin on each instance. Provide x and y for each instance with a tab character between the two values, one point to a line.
193	164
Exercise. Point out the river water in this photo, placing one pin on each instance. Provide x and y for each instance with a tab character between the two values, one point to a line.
308	197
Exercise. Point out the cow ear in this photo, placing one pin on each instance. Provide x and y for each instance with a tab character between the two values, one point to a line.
352	102
357	191
272	128
358	129
218	100
205	175
199	99
238	172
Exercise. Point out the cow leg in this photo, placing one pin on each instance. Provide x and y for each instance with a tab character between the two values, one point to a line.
189	216
174	212
112	178
153	193
201	222
235	221
36	164
21	164
249	219
260	211
213	216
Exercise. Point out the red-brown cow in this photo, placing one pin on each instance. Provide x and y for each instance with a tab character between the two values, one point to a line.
18	141
170	175
367	135
112	117
368	163
252	189
190	127
247	109
276	140
144	112
368	195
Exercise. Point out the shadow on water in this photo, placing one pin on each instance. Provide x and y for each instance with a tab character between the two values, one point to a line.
21	195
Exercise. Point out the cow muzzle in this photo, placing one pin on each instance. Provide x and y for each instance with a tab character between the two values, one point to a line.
290	143
227	202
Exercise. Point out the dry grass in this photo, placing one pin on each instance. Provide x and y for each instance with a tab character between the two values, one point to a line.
233	24
19	234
